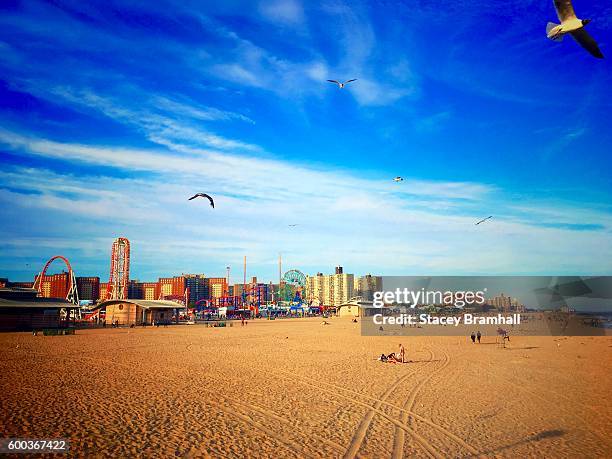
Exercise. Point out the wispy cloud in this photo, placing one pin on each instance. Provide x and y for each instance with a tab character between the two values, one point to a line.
288	12
343	217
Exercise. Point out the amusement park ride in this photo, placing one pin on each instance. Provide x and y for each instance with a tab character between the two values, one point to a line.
290	293
119	270
73	294
291	288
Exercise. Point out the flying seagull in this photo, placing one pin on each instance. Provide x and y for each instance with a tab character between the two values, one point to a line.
294	224
203	195
572	25
398	179
484	220
340	84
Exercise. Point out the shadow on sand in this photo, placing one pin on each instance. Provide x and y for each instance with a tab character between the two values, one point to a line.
537	437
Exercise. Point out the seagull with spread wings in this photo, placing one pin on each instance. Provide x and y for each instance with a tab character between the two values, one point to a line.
342	84
203	195
483	220
572	25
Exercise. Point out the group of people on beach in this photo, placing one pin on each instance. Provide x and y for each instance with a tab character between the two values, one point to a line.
475	336
400	357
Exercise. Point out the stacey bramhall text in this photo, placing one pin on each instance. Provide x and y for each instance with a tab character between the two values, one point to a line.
426	319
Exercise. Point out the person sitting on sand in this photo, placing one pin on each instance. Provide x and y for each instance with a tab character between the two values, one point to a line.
393	358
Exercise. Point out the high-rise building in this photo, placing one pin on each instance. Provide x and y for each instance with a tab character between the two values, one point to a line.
342	286
365	286
506	304
55	285
330	290
198	287
217	287
172	286
103	290
315	289
150	290
88	288
135	290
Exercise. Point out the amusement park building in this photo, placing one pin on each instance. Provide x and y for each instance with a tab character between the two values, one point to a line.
21	309
137	312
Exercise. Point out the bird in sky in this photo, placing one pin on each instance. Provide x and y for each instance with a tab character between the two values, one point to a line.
342	84
398	179
484	220
293	224
203	195
572	25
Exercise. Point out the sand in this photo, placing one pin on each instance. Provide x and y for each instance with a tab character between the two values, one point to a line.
295	388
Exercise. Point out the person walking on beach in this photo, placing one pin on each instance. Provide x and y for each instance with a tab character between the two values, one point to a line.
478	335
402	353
473	336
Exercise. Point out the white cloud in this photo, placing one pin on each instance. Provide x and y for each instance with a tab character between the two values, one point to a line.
364	223
282	11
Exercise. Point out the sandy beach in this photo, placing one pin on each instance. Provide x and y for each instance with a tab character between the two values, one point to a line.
296	388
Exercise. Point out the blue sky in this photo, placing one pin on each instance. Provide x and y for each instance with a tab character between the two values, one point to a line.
113	113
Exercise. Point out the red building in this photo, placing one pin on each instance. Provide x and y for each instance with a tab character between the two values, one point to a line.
88	288
55	285
217	287
172	286
20	284
103	290
150	290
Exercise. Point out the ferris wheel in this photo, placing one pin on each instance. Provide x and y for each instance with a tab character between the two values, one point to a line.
292	286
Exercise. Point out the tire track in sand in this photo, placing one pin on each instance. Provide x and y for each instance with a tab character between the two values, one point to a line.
374	408
407	415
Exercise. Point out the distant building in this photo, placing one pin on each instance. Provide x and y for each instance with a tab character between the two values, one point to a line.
506	304
330	290
172	286
365	286
150	290
315	289
198	287
103	290
55	285
20	284
135	290
217	287
88	288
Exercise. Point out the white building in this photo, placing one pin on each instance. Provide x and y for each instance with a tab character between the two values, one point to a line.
330	290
